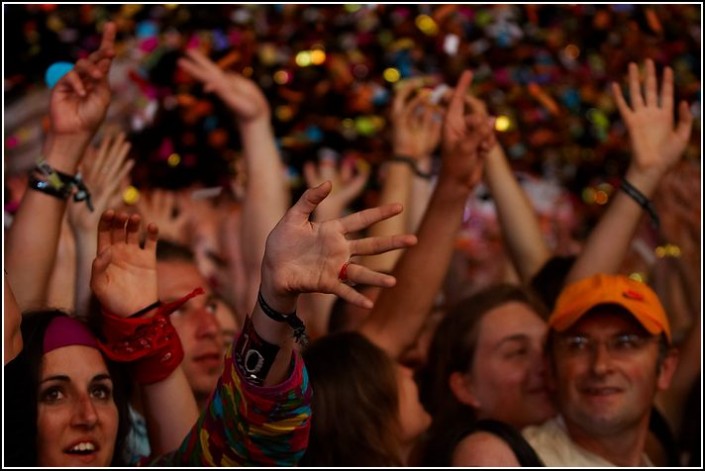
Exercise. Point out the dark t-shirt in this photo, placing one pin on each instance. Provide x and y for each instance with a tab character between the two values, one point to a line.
19	414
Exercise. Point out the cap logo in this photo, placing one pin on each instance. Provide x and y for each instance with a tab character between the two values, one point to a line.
631	294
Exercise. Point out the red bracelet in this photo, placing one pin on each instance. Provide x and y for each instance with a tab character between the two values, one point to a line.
151	345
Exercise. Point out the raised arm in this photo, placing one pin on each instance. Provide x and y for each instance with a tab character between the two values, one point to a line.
415	134
260	412
104	171
656	147
348	179
520	226
401	311
12	319
124	279
267	193
78	105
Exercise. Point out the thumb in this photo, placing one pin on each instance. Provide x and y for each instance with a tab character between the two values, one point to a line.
308	202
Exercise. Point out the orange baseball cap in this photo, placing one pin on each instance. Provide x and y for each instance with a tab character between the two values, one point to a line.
579	297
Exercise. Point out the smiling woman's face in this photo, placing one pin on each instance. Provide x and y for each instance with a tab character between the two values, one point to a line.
77	419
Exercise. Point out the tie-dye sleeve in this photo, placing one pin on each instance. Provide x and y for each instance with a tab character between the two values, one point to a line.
248	425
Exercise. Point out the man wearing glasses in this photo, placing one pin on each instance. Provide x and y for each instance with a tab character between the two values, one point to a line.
609	353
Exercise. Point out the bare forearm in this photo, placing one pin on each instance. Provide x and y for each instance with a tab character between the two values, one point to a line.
86	248
396	189
401	310
266	200
609	241
167	429
33	238
517	217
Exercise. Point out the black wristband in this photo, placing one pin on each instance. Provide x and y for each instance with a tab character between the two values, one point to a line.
144	311
253	355
411	163
292	319
642	201
47	188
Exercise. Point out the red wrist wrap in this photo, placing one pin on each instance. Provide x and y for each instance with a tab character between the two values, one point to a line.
151	344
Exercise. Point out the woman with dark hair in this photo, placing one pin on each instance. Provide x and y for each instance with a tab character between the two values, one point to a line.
66	404
366	405
485	363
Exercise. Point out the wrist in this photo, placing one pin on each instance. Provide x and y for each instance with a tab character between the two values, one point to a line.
64	153
278	299
645	181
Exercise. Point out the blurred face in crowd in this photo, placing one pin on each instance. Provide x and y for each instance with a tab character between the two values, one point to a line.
77	419
607	371
507	380
413	417
229	326
196	324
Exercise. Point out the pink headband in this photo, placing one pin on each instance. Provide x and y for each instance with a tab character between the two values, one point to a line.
64	331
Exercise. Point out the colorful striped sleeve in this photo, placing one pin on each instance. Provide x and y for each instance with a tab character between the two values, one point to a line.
248	425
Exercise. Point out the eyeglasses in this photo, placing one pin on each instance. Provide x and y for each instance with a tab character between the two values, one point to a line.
618	346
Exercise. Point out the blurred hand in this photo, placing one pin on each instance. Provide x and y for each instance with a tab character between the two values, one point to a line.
303	256
656	144
124	277
242	95
348	178
80	100
104	172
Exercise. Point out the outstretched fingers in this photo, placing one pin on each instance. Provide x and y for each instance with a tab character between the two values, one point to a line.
635	87
622	105
367	217
352	296
361	275
150	243
304	207
685	122
378	245
105	226
457	101
650	86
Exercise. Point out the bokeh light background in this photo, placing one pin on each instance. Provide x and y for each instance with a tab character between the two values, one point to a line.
329	73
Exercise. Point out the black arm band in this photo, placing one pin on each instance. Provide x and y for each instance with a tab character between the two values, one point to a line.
642	201
254	356
412	163
292	319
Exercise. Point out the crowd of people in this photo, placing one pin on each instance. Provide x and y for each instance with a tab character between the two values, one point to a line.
352	235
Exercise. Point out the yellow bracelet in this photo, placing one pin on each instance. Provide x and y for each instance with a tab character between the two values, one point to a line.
668	251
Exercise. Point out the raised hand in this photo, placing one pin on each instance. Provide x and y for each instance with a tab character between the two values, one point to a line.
242	95
348	178
657	145
466	137
124	277
163	208
416	129
303	256
79	101
104	171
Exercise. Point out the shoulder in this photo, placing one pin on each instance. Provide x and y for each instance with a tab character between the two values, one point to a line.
483	449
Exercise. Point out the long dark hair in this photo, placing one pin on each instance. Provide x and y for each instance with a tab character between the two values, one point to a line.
355	409
21	389
453	349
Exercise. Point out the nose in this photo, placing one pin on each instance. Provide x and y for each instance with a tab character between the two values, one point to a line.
208	325
84	414
601	359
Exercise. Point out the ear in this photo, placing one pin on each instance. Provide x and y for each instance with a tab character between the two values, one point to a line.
461	386
668	368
